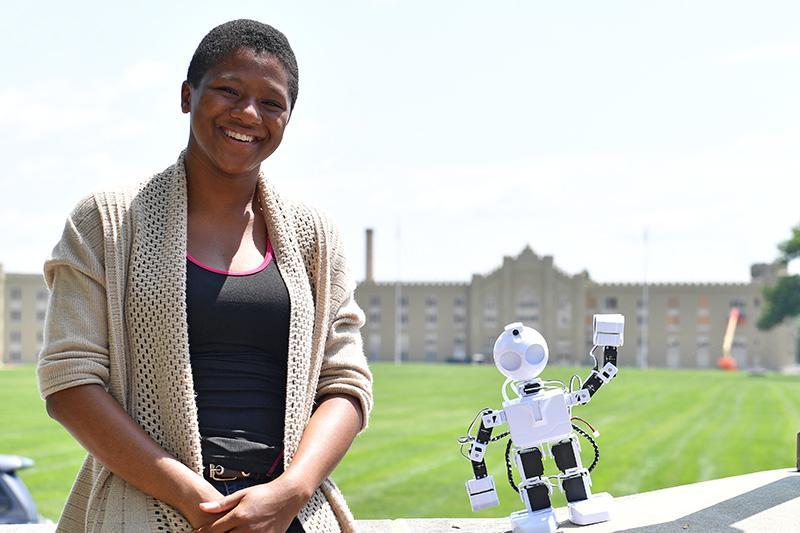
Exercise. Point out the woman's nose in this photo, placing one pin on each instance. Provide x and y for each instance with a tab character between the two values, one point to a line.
246	110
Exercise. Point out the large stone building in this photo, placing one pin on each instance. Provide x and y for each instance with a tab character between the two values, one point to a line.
22	312
677	325
667	324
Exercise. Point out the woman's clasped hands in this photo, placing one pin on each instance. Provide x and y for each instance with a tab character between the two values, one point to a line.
269	507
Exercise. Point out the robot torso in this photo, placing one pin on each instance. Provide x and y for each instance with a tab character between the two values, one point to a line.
538	418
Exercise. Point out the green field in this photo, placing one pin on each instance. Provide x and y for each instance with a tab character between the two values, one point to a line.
659	428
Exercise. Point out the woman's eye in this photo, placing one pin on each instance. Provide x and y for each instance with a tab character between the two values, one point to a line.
272	103
227	90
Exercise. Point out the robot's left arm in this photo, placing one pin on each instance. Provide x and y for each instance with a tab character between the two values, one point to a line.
481	490
608	332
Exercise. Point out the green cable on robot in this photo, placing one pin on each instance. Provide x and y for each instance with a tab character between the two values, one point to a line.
540	419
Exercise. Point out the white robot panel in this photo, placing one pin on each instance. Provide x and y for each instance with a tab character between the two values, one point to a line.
520	353
543	417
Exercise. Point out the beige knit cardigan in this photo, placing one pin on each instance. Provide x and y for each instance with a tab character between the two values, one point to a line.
117	317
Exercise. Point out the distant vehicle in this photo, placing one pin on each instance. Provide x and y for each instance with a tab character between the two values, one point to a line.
16	503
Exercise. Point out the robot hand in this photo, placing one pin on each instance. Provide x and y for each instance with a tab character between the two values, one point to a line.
482	493
608	330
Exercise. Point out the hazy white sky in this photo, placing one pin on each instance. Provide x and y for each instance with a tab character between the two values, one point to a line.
474	127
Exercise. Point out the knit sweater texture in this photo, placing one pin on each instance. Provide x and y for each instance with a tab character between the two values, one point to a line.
117	318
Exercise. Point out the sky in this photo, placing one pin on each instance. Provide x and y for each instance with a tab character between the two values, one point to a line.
460	131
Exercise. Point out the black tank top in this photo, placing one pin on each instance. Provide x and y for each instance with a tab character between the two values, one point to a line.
238	344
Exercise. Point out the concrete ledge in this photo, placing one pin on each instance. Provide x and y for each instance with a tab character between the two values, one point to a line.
763	502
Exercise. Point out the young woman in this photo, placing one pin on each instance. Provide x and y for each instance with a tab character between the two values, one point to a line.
202	339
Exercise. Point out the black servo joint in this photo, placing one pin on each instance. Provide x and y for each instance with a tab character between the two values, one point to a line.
609	355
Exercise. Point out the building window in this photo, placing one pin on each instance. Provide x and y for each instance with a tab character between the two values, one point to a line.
374	312
404	347
15	315
564	315
404	301
738	303
742	307
40	315
527	307
460	347
431	312
611	303
16	356
15	337
673	314
673	324
459	311
673	352
488	345
15	293
564	350
431	341
703	352
374	346
739	351
42	295
490	312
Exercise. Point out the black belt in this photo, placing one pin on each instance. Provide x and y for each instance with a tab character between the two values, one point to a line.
220	473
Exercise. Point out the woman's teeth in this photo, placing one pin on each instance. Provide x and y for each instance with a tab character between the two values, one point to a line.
239	136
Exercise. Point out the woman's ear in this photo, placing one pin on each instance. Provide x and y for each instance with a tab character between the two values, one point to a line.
186	97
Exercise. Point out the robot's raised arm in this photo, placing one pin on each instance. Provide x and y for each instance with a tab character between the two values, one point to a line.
608	332
481	490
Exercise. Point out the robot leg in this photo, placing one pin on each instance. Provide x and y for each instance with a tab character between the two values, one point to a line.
538	515
584	507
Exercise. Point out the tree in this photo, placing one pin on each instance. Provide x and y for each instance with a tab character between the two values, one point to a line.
783	299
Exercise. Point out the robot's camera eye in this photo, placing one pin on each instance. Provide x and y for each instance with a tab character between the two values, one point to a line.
515	332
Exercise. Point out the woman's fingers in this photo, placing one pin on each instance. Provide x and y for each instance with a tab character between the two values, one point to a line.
223	504
220	525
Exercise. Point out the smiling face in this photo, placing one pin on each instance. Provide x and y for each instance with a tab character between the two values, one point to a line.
238	111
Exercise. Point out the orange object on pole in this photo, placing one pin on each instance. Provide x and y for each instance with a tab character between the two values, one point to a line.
726	362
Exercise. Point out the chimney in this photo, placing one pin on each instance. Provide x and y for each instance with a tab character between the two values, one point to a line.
369	277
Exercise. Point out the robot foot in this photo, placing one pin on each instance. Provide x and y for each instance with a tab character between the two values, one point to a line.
596	509
542	521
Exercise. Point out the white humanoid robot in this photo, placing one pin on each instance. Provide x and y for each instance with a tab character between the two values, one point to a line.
540	420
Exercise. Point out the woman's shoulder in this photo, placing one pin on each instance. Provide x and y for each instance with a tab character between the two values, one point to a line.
107	209
115	201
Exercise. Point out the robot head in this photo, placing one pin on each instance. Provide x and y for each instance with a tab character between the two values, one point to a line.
520	353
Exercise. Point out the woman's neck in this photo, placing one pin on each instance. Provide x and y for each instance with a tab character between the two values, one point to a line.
211	191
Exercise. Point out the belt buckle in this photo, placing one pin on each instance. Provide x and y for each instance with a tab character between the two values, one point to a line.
215	472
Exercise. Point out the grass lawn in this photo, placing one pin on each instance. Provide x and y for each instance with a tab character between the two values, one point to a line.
659	428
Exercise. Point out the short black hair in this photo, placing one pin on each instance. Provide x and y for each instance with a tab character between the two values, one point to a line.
226	38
